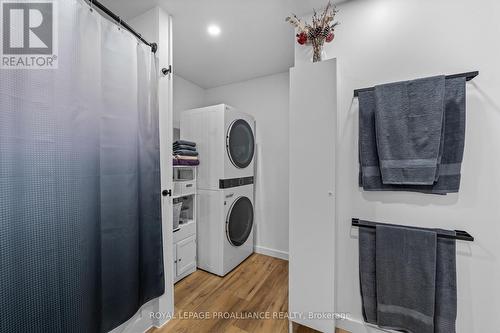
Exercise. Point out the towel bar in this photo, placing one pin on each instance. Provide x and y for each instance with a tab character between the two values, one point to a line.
460	234
468	76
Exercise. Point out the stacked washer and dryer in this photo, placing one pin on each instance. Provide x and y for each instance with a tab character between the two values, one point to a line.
226	147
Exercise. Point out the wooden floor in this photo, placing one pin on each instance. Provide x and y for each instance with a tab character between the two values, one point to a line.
249	299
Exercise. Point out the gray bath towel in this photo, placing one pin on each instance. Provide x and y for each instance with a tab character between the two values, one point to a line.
367	144
406	278
445	315
409	123
445	309
454	138
452	150
370	177
367	274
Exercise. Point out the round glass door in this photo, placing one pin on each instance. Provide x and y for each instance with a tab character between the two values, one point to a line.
240	143
240	221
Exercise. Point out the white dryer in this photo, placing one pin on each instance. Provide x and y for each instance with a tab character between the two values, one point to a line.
225	141
225	228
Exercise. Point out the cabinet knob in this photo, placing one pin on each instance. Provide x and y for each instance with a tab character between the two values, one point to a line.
166	193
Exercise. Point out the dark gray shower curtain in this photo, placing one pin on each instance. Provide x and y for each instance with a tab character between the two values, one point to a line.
80	215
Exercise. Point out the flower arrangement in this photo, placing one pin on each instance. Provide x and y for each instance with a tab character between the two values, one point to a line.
321	30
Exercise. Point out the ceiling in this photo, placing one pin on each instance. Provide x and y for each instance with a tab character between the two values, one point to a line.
255	39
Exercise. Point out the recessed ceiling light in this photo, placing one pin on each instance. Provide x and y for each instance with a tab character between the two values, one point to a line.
213	30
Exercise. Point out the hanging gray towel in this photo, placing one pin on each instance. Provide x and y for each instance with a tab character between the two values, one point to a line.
367	274
445	315
454	138
370	177
367	145
409	123
406	278
452	151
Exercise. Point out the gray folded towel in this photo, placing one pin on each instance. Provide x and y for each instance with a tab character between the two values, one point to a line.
406	278
184	147
185	142
452	148
409	124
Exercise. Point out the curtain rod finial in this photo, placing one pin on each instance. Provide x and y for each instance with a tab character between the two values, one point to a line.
154	47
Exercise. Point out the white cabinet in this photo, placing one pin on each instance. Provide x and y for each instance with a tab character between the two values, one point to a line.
175	263
313	133
186	256
185	235
184	251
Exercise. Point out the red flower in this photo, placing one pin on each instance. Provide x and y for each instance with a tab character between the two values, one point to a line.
330	37
302	38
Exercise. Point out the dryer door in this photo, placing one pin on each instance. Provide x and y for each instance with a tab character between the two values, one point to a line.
239	221
240	143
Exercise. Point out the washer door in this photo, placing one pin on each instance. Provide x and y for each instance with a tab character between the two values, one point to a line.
239	221
240	143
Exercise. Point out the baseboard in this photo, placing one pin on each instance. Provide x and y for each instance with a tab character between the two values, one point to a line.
356	326
271	252
159	326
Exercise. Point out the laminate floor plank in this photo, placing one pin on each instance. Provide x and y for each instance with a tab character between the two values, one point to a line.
236	303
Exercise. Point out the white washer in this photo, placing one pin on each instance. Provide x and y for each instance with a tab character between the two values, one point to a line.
225	228
225	141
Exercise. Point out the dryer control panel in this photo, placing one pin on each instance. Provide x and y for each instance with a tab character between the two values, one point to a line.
235	182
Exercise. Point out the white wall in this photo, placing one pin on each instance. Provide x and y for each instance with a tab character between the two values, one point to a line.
266	99
387	40
187	95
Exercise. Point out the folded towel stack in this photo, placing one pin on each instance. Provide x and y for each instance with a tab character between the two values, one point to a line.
408	278
185	153
412	135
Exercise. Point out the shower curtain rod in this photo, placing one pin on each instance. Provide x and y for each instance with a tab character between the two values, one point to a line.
460	235
468	76
122	23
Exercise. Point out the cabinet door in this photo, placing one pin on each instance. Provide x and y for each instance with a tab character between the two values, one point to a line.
186	255
175	263
313	131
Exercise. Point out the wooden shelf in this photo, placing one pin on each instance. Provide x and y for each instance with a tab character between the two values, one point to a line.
183	225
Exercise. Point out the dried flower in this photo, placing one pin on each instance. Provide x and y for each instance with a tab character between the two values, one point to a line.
320	30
